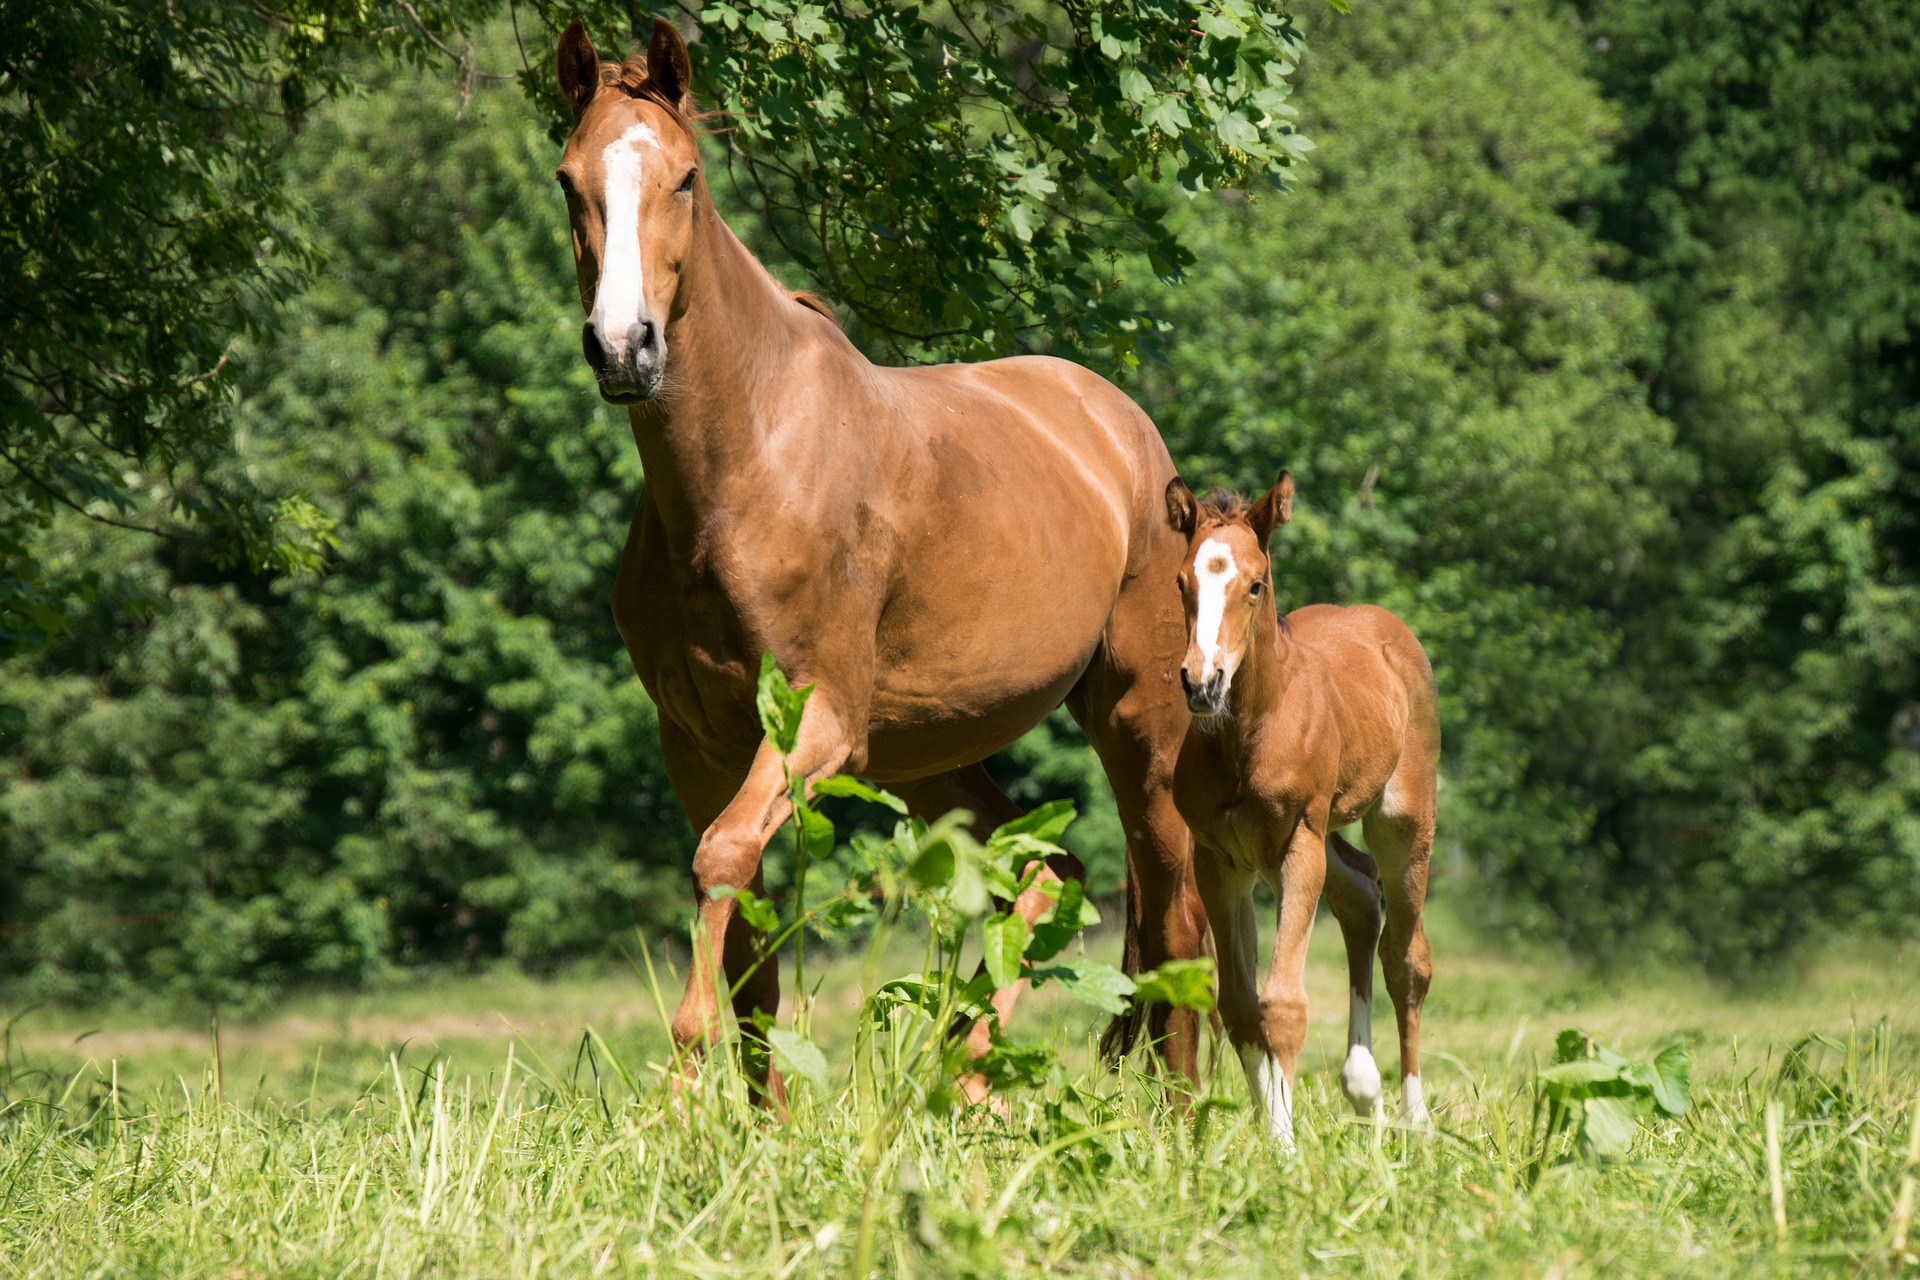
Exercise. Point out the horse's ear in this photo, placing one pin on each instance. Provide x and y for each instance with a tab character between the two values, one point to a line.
579	67
1274	508
1182	511
669	66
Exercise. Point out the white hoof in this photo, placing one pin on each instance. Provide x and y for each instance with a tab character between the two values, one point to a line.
1360	1079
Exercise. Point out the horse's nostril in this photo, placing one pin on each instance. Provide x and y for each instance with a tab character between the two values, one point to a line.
642	337
592	348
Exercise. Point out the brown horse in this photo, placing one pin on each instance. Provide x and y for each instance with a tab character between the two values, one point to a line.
1302	726
945	553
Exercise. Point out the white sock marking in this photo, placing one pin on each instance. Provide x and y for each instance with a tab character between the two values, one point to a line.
1414	1100
1269	1086
1360	1074
620	302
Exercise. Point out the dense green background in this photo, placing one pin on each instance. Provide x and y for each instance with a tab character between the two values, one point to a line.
1589	335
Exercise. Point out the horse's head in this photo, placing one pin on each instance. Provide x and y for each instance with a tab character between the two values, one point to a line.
631	174
1224	581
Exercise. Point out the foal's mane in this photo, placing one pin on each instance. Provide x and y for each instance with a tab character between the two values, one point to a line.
1222	506
629	75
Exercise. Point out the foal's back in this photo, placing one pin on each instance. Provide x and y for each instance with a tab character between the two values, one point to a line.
1379	690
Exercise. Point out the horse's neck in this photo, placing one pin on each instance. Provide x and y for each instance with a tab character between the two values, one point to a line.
734	337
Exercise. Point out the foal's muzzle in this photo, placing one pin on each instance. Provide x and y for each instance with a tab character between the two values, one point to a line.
629	370
1208	697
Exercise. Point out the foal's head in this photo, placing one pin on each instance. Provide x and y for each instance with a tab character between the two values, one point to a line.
630	174
1224	581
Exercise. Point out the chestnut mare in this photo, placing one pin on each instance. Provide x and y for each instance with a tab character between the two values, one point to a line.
1302	726
945	553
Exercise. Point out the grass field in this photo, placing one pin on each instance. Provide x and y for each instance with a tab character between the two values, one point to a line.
456	1129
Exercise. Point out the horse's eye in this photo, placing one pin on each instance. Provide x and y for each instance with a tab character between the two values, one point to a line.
686	183
565	180
1255	589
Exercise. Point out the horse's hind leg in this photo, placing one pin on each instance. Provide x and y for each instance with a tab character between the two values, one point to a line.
1353	892
972	789
1136	721
1401	838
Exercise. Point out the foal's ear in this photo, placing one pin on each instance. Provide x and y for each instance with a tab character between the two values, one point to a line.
579	67
1274	508
669	66
1181	509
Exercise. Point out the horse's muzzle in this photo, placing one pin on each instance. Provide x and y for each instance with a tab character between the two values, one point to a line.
1208	698
629	371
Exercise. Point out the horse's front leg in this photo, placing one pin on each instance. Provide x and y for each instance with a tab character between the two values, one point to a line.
728	858
1283	1001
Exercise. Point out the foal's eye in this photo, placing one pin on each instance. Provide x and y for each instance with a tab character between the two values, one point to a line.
686	183
565	180
1257	587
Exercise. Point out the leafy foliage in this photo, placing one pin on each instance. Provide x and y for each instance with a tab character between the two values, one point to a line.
435	753
145	229
961	176
1596	1097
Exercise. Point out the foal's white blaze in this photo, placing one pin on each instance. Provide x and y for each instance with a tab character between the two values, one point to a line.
621	300
1213	572
1269	1085
1360	1074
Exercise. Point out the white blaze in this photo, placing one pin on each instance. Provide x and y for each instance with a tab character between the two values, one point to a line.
1213	571
620	302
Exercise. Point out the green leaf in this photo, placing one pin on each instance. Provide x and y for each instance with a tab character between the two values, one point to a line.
780	706
844	784
1048	822
1588	1071
1184	984
1608	1127
796	1055
1005	939
1572	1045
1673	1075
816	832
1070	913
754	909
1090	982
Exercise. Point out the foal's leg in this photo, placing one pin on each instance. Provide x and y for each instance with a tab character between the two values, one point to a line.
1353	893
1283	1001
1402	842
1228	898
729	857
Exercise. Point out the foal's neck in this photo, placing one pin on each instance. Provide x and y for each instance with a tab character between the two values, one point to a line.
733	332
1261	682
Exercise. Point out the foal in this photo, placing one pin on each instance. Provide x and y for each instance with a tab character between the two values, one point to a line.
1301	726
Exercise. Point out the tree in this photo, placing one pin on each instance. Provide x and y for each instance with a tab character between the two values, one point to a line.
435	752
145	228
962	177
1768	190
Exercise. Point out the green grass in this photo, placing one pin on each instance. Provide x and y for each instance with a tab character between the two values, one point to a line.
455	1129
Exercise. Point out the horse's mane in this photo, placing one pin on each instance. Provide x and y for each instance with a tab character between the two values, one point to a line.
629	76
